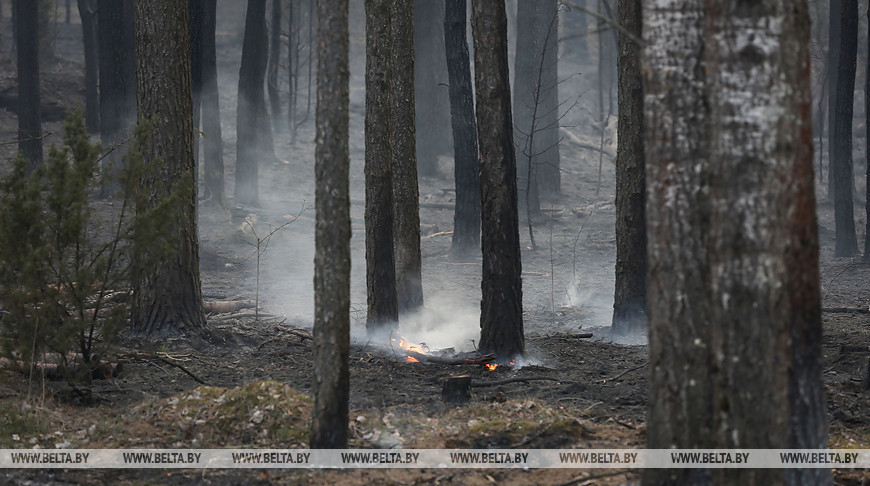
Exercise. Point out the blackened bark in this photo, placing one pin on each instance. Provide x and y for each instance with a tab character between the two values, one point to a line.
841	143
501	316
383	307
117	70
629	302
211	114
252	121
87	13
430	76
274	53
675	134
406	193
466	218
168	298
331	384
27	39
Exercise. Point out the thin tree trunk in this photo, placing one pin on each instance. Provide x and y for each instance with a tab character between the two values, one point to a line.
629	303
466	218
168	298
867	151
501	316
117	69
195	13
87	13
331	383
383	306
841	143
274	53
406	193
529	55
211	115
252	117
432	99
832	62
549	160
29	107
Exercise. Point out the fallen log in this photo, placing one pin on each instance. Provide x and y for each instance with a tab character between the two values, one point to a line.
845	310
226	306
506	381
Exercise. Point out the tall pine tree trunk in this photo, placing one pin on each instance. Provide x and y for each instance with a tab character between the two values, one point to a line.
466	218
27	40
87	13
274	55
406	193
841	142
254	130
501	307
211	114
383	307
117	70
629	302
432	99
168	298
331	383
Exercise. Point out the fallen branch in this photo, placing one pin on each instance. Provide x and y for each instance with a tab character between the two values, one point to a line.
628	371
182	368
298	333
449	361
226	306
514	380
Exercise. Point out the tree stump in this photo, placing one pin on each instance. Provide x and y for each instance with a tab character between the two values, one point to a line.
457	390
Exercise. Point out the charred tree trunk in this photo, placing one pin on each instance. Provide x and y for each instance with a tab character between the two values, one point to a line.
432	99
501	316
383	307
331	384
274	54
629	302
87	13
117	69
406	193
253	140
841	143
466	218
27	39
211	114
168	298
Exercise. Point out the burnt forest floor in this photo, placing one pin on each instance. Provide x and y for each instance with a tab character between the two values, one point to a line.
248	384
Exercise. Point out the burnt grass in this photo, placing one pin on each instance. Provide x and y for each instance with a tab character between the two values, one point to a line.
578	392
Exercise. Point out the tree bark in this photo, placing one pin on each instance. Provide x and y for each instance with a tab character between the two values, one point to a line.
383	307
675	117
27	40
841	143
432	100
168	298
254	131
832	62
501	317
764	252
195	18
867	151
406	192
87	13
629	302
211	115
330	387
734	301
466	218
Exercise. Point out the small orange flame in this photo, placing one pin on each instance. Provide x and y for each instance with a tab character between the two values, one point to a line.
403	343
412	359
491	366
